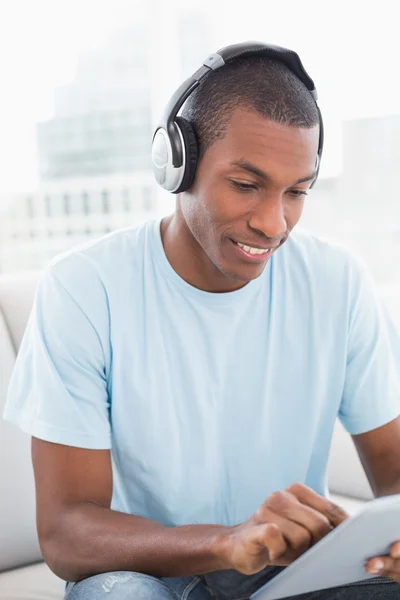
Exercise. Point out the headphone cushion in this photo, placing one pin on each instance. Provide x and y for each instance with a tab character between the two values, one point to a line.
191	154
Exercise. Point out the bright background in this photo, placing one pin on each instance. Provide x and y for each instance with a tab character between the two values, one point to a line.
84	82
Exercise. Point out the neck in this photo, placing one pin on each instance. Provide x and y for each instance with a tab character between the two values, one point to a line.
189	260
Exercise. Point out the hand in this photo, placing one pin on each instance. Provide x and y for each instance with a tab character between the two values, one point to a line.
386	566
283	528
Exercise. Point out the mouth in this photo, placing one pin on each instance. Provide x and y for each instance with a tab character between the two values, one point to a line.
254	253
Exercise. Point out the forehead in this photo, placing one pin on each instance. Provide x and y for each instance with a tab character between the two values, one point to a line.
267	144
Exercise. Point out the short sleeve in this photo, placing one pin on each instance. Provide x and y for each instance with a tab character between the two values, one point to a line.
371	395
58	390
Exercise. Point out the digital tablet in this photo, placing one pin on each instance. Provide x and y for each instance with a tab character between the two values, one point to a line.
340	557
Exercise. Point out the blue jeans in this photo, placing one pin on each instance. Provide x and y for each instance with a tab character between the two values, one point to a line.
221	585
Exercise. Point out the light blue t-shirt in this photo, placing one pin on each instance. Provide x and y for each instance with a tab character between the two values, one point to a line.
209	402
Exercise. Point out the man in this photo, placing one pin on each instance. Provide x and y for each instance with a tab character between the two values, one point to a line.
181	381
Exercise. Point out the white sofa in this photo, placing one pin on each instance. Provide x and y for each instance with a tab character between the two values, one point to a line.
18	541
22	574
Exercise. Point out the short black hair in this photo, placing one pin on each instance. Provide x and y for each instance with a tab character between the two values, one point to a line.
261	84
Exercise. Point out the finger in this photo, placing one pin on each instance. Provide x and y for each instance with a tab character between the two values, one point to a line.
307	496
270	536
385	566
395	550
297	537
287	505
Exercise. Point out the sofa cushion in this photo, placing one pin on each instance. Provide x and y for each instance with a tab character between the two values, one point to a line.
18	539
36	582
350	505
346	475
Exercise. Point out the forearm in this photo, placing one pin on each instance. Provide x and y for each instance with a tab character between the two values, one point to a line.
387	490
90	539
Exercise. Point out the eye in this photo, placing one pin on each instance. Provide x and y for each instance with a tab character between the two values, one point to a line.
298	193
244	187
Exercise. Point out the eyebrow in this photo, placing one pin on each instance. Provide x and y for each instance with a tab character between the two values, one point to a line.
242	164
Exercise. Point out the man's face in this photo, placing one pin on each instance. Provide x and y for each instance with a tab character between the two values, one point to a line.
249	194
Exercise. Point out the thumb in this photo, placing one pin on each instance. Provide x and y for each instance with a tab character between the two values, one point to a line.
270	537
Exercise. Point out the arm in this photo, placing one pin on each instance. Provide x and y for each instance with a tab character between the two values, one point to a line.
370	406
379	452
59	395
80	536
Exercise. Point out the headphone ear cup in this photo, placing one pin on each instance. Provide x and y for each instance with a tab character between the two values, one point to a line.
160	156
191	154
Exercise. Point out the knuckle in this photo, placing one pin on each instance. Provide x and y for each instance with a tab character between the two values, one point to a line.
321	524
295	488
395	551
301	539
274	542
335	510
260	514
275	496
272	528
276	499
388	568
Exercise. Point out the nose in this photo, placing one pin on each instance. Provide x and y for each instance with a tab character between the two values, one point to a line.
269	218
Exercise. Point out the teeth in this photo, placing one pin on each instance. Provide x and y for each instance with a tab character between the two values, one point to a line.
252	250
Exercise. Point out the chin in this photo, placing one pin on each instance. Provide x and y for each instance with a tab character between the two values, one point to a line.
246	273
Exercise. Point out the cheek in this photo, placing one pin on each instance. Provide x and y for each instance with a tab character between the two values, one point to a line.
216	207
293	212
203	217
224	206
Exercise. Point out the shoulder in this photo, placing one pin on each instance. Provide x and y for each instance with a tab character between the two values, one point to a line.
91	271
105	257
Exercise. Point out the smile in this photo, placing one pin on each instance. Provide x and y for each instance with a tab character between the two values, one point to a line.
253	250
253	254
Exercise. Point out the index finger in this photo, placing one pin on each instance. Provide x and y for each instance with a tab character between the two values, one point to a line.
307	496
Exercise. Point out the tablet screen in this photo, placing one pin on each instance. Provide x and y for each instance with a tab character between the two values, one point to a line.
341	556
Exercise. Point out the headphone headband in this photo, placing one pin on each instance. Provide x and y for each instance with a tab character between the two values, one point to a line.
288	57
168	125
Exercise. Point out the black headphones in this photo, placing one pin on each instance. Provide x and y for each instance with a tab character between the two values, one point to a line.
175	150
